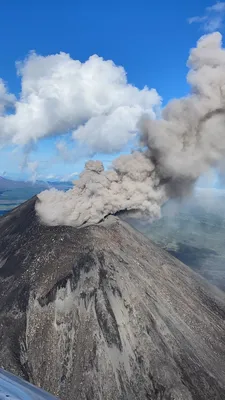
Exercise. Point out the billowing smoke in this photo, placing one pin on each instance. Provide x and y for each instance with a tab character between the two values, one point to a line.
190	137
187	141
131	185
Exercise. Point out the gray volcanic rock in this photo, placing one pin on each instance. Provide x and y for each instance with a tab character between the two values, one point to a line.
103	313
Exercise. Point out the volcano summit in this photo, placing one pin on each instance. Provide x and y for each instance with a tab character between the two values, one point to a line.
101	312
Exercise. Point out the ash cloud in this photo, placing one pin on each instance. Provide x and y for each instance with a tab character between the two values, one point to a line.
190	137
132	184
185	143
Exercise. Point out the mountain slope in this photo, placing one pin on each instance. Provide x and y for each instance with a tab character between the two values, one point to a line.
193	231
103	313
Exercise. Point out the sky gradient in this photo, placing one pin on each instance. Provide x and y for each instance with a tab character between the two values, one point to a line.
151	40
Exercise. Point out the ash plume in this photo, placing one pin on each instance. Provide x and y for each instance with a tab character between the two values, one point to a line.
132	184
177	149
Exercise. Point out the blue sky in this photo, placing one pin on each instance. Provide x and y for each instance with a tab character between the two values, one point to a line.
151	40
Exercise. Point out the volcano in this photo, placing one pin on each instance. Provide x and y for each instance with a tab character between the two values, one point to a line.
101	312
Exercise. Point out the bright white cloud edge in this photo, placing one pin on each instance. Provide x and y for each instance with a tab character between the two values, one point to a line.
92	100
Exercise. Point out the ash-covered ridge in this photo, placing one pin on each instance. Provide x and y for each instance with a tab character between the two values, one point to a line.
102	313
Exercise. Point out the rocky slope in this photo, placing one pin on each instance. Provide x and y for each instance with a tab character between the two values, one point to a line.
102	313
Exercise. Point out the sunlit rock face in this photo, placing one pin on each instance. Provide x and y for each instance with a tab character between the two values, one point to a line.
102	313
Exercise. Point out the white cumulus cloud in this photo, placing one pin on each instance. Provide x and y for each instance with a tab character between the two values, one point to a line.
51	177
69	177
6	99
92	100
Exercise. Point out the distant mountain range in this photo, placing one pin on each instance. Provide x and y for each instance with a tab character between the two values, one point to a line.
8	184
